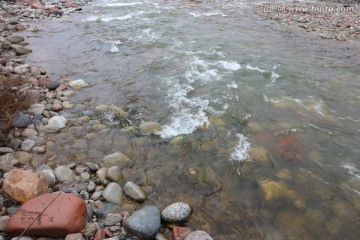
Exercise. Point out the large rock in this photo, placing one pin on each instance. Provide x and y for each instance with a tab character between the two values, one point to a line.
118	159
57	214
198	235
176	212
22	185
134	192
113	193
144	223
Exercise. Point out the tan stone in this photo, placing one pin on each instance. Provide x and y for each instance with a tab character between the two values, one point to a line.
22	185
274	190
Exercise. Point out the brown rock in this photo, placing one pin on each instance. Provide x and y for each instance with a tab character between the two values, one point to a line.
20	27
22	185
52	215
44	82
23	157
37	6
57	107
180	233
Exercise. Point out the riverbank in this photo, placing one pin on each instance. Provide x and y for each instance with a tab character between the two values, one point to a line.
101	201
327	20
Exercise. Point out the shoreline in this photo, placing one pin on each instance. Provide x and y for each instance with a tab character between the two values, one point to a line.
78	171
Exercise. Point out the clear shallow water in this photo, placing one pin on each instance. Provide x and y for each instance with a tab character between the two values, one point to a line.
261	121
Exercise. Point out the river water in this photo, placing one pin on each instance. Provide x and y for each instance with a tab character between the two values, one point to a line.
261	121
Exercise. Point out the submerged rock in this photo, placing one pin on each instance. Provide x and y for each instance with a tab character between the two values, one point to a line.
273	190
149	127
134	192
113	193
118	159
144	223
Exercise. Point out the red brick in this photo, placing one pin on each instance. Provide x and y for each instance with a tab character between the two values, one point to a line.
179	233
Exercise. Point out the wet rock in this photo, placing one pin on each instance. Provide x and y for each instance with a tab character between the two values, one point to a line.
149	127
273	190
259	154
64	174
21	120
114	174
57	121
78	84
102	173
176	212
52	86
107	208
290	148
22	185
67	105
36	109
23	157
44	81
180	233
22	238
118	159
20	50
15	38
113	193
4	150
65	214
134	192
27	145
113	219
144	223
119	112
39	149
27	132
198	235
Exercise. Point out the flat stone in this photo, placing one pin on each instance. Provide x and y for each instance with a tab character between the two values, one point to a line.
49	129
27	145
15	38
198	235
64	174
64	214
176	212
119	112
96	195
273	190
144	223
39	149
118	159
90	230
134	192
57	121
113	193
22	185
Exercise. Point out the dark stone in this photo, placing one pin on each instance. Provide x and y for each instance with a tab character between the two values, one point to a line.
107	208
14	143
21	120
144	223
53	85
94	167
4	140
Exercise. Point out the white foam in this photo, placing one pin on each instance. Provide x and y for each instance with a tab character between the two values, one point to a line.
114	48
249	67
352	170
208	14
232	85
230	65
117	4
241	151
112	18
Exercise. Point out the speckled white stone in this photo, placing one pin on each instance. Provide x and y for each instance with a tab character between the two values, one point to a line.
176	212
198	235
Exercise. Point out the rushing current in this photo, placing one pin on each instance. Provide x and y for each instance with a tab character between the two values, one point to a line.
261	121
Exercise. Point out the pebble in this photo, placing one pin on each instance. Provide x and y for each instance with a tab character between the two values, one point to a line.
91	187
27	145
176	212
21	120
57	121
113	219
74	236
101	174
78	84
107	208
96	195
114	174
113	193
4	150
64	174
39	149
3	221
134	192
53	85
198	235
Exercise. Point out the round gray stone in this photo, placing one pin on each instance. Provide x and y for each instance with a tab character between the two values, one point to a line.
112	219
27	145
64	174
198	235
113	193
176	212
134	192
144	223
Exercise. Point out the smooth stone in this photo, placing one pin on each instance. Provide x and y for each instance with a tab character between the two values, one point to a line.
113	193
161	236
64	174
15	39
118	159
78	84
57	121
90	230
149	127
144	223
27	145
176	212
53	85
27	132
20	50
39	149
114	174
107	208
4	150
49	175
23	157
91	187
21	120
64	214
48	129
101	174
36	109
112	219
85	176
22	185
134	192
198	235
96	195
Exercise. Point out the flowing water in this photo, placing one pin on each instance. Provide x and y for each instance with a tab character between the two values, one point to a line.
261	122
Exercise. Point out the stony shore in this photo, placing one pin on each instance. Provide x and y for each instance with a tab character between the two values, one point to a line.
340	21
73	201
